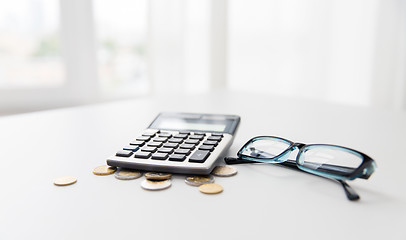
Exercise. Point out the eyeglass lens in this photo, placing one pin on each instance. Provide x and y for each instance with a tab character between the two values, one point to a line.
329	159
265	148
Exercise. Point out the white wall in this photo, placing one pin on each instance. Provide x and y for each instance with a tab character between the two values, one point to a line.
350	52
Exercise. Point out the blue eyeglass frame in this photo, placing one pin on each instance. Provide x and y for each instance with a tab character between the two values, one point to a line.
364	170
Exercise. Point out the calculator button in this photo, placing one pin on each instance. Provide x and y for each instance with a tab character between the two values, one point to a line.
142	154
160	139
199	137
177	157
184	132
138	143
187	146
159	156
165	150
214	143
124	153
148	134
148	149
171	145
206	147
217	134
183	136
143	138
200	133
199	156
214	138
192	141
131	148
182	151
175	140
154	144
165	134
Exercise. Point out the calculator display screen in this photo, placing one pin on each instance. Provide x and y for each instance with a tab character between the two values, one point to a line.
196	122
185	125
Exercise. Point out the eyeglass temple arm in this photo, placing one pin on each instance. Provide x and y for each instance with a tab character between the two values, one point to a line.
349	192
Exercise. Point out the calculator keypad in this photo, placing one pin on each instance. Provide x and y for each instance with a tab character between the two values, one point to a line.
167	146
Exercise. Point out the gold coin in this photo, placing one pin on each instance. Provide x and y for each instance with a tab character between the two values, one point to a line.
224	171
211	188
104	170
155	185
199	180
64	181
127	174
157	176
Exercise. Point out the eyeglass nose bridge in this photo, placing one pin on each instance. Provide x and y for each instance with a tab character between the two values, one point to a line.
286	154
298	145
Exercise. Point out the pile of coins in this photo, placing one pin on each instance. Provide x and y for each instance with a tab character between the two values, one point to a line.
159	181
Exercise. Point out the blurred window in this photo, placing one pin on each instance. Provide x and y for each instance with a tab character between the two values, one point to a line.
121	38
30	49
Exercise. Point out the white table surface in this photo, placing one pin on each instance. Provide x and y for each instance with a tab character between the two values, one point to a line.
260	202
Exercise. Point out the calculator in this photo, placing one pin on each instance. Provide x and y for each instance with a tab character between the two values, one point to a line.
186	143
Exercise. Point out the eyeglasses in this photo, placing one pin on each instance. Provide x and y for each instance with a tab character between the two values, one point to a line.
325	160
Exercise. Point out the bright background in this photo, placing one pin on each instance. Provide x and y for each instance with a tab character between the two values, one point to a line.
72	52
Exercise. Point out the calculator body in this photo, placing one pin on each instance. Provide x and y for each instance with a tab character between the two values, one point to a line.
185	143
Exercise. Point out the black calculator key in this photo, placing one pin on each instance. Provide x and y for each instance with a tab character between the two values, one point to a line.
184	132
160	139
217	134
182	151
165	134
175	140
214	138
199	156
148	149
159	156
138	143
124	153
143	138
142	154
192	141
199	137
187	146
206	147
200	133
165	150
183	136
177	157
131	148
171	145
154	144
214	143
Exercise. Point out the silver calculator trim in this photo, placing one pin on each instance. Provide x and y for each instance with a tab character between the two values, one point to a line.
184	167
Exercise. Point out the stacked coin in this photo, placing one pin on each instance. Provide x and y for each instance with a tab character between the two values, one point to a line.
206	183
156	181
199	180
127	174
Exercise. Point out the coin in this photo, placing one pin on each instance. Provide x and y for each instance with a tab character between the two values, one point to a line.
199	180
104	170
210	188
127	174
64	181
224	171
157	176
155	185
